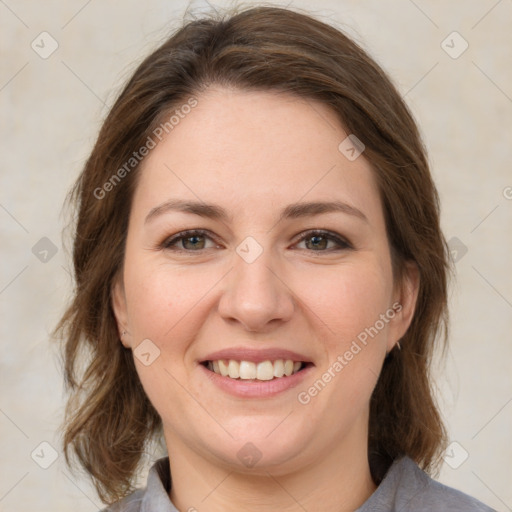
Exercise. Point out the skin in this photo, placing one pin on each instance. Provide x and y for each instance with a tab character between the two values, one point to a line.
253	153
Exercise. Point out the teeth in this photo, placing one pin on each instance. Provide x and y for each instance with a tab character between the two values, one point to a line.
247	370
265	371
223	367
279	368
233	369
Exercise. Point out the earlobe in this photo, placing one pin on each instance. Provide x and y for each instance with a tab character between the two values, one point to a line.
407	297
118	300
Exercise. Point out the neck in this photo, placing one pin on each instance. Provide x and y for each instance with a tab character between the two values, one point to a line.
337	480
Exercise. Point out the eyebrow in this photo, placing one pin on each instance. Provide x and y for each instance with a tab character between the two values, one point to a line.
292	211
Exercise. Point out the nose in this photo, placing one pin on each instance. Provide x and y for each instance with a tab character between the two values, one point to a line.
256	295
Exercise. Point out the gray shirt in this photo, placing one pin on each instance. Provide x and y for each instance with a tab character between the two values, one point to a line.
404	488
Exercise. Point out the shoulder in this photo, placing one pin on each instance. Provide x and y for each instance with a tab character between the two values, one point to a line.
407	487
154	497
451	499
130	503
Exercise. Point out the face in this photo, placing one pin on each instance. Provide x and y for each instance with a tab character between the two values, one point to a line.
270	270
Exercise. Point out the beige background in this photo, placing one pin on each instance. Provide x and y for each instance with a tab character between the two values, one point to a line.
52	108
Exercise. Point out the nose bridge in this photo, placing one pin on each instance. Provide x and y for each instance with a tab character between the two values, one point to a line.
255	293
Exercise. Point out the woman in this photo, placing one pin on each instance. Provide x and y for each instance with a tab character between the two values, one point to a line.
261	281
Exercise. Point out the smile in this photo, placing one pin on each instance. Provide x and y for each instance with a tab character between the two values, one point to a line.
249	370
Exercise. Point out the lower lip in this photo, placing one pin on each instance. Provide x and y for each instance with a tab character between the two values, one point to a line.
256	388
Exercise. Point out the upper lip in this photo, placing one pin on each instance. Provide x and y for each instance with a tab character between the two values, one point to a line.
255	355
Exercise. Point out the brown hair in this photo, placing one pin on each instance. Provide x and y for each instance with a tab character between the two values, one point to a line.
109	418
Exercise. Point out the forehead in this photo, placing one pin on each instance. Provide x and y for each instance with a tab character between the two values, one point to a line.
253	151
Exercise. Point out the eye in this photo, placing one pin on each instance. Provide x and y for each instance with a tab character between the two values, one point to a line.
320	240
192	240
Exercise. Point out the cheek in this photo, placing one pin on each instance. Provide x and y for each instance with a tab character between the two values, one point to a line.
165	307
363	299
349	304
161	300
348	300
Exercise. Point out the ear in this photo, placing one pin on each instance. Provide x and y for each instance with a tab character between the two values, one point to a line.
405	298
118	300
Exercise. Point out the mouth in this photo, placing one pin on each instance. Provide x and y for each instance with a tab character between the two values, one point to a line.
268	370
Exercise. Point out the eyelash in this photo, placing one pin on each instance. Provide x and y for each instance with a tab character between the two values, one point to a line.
169	243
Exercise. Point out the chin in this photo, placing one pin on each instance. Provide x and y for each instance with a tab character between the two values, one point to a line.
261	444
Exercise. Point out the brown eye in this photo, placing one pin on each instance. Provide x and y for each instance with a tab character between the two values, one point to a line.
318	241
191	241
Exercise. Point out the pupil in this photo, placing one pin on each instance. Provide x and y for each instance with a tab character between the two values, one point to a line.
316	238
195	237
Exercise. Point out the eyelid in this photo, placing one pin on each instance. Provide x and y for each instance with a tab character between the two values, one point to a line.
342	242
166	244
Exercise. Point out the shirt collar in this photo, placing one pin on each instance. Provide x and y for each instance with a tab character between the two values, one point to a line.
156	497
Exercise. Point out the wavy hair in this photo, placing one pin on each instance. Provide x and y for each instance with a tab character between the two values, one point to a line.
109	418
